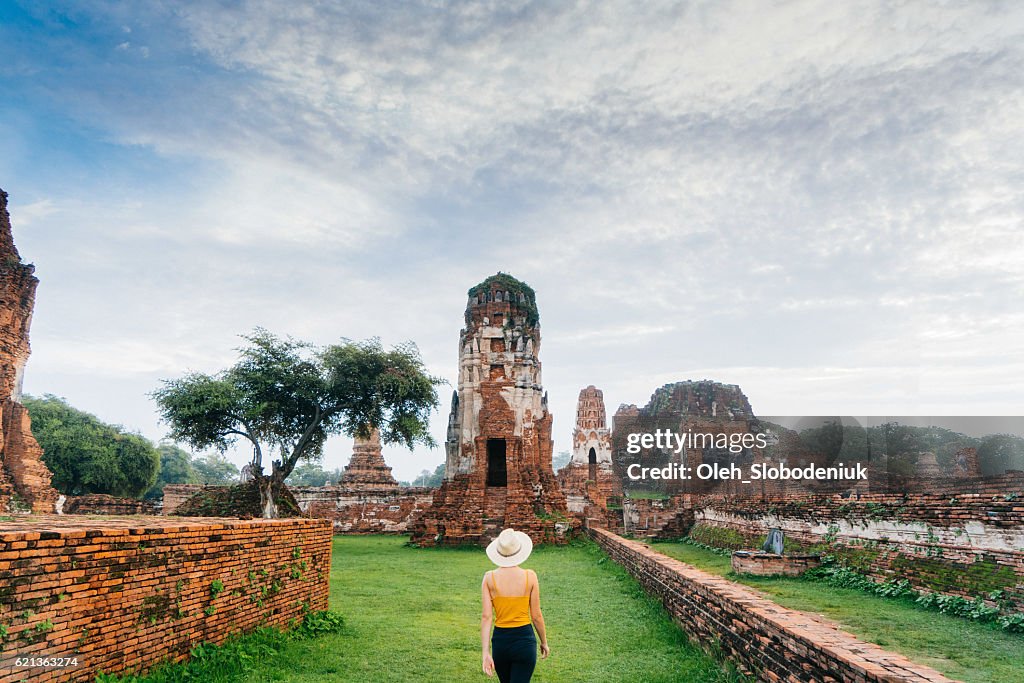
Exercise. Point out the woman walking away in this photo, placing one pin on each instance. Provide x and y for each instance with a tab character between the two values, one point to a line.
511	600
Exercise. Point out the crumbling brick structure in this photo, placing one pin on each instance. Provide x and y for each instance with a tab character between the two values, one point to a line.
498	468
965	544
23	474
366	470
701	407
588	478
366	511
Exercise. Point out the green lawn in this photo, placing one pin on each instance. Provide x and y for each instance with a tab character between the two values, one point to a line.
414	615
961	649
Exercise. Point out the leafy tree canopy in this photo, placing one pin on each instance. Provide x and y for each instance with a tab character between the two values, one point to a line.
1000	452
87	455
286	397
313	474
175	468
428	478
213	469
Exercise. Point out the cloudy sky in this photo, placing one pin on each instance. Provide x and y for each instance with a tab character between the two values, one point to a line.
818	201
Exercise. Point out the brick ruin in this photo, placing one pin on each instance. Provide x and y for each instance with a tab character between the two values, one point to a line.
945	531
24	478
366	500
498	451
965	544
698	406
366	469
588	479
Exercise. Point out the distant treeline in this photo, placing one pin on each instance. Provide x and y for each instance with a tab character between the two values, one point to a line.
900	446
87	455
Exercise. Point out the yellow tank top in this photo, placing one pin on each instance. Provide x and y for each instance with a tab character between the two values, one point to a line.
510	611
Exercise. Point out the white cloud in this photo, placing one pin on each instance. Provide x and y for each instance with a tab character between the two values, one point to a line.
818	201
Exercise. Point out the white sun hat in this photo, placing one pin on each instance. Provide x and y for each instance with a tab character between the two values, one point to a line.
510	548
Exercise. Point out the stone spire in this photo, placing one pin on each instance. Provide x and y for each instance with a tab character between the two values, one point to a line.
367	469
588	478
591	439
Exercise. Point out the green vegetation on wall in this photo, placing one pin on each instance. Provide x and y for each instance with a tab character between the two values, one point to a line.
515	287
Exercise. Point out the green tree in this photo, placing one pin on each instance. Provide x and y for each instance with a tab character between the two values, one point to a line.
213	469
428	478
1000	452
286	397
87	455
175	468
313	474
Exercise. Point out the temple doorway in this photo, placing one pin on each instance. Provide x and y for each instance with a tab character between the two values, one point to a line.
497	468
592	460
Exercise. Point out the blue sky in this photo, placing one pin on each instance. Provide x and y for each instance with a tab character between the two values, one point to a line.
819	202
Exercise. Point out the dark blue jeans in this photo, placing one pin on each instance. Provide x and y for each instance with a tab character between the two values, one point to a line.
515	653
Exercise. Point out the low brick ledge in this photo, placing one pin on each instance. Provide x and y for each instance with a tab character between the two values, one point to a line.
763	638
36	527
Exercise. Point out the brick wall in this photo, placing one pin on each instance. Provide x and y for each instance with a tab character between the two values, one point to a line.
366	511
176	494
770	564
363	511
126	593
969	545
762	638
102	504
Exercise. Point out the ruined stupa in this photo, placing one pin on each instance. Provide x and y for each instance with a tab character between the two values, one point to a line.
705	407
588	477
366	469
498	467
24	478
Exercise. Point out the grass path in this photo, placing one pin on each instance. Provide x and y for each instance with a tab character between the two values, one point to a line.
964	650
414	615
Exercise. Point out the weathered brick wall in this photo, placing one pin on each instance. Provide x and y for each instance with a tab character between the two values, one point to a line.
126	593
176	494
763	639
647	517
365	511
878	482
102	504
770	564
969	545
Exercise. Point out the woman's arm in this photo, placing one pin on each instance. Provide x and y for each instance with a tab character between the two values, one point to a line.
537	617
485	628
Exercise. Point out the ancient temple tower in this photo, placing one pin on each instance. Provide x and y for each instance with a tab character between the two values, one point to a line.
23	474
498	468
366	469
588	477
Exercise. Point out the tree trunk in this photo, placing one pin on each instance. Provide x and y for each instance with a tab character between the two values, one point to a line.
268	489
